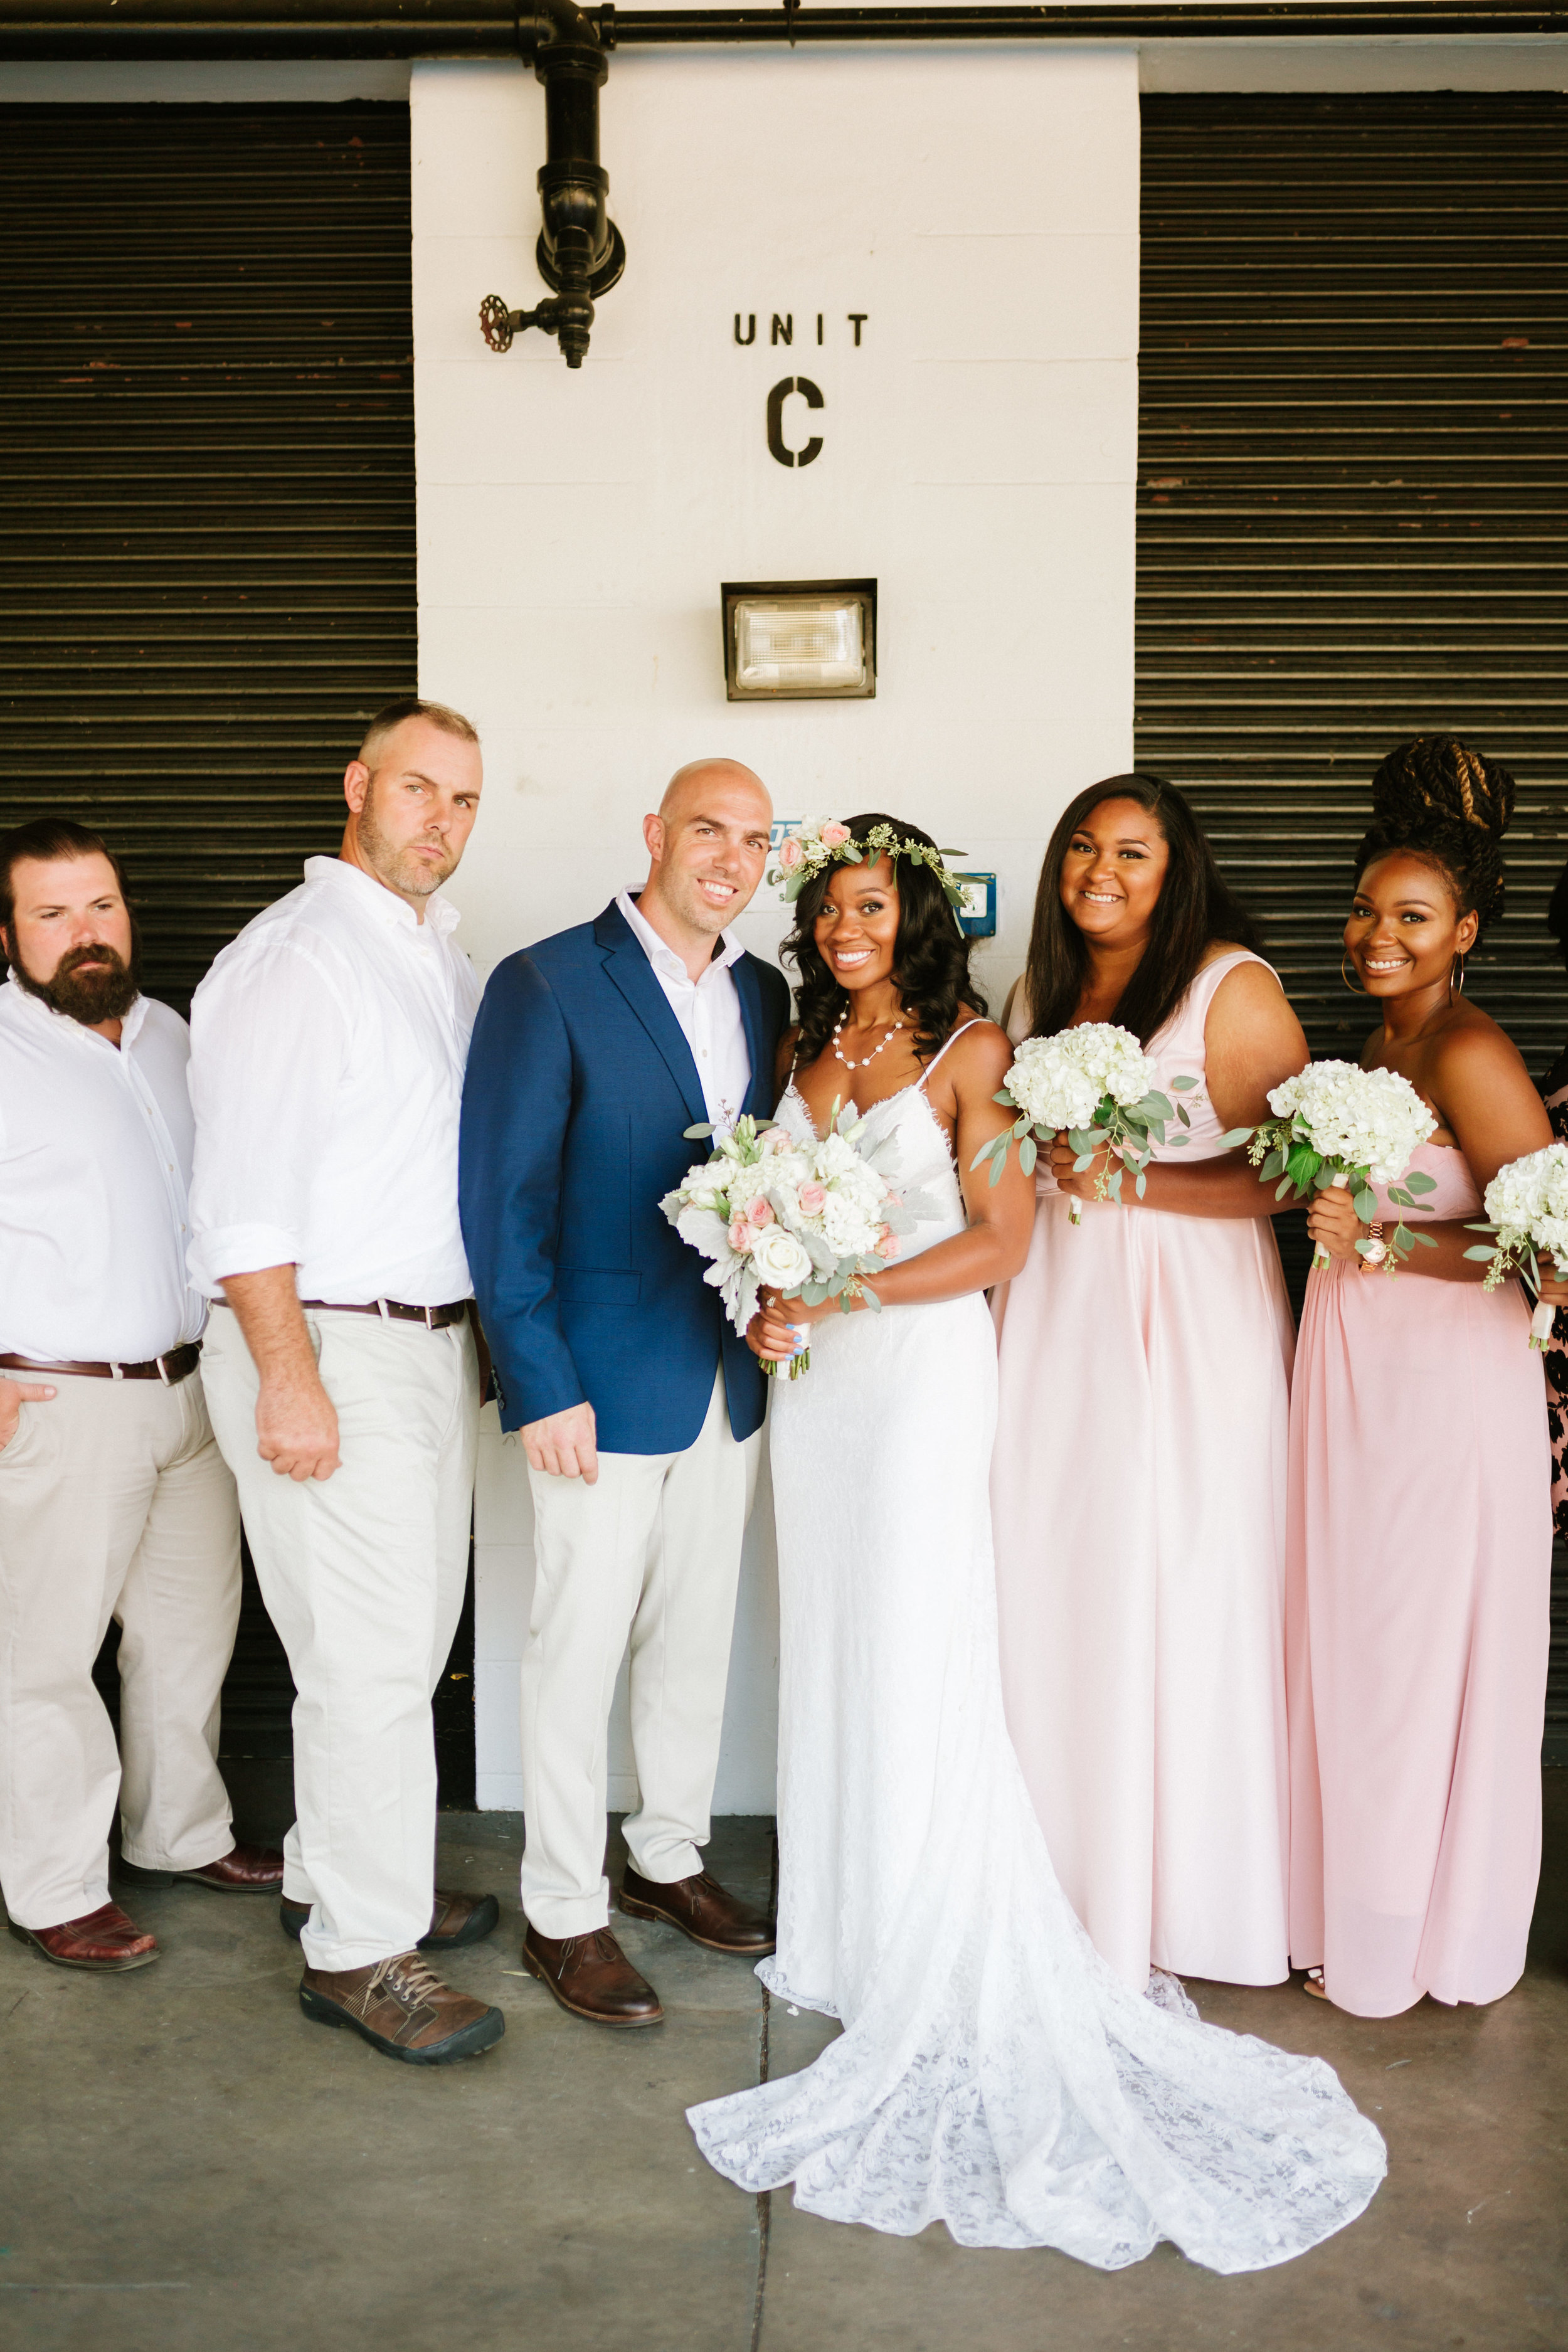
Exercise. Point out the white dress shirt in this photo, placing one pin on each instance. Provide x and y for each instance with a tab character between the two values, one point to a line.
95	1164
328	1044
709	1012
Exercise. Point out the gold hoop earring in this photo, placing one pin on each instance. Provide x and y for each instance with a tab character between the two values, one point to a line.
1460	961
1344	975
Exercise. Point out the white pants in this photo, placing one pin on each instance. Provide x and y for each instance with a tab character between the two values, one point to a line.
364	1575
653	1549
114	1502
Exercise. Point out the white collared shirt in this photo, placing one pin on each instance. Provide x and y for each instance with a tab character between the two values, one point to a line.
709	1012
328	1044
95	1165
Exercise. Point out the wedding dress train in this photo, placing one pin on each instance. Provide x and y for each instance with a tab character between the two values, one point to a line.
994	2073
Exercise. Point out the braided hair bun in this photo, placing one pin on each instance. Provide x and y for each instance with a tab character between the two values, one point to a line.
1445	803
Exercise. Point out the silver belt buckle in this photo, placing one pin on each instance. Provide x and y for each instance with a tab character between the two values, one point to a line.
382	1307
163	1364
429	1319
116	1372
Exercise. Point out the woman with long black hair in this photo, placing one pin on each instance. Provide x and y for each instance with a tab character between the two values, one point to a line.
1139	1481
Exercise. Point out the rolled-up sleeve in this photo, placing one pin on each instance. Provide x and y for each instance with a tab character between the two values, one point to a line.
269	1043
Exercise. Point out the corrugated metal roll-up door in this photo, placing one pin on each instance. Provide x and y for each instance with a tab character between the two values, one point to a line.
206	487
1353	506
207	526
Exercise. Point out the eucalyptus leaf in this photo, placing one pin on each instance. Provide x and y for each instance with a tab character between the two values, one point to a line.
1029	1152
696	1134
1234	1136
1427	1240
1182	1111
1365	1206
1181	1086
1420	1183
1480	1251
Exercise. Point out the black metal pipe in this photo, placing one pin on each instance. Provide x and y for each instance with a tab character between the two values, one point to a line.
411	28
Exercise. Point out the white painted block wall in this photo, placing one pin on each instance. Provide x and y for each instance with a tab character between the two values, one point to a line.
980	208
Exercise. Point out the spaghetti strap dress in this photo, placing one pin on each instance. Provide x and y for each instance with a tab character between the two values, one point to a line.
1418	1626
1138	1493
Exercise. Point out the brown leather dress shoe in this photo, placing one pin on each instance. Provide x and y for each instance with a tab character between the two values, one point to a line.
243	1870
401	2006
104	1939
702	1909
456	1919
592	1977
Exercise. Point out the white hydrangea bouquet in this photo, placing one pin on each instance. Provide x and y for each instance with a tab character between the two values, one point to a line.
1526	1208
810	1221
1339	1125
1096	1085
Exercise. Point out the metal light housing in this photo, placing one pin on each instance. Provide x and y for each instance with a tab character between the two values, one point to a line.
800	640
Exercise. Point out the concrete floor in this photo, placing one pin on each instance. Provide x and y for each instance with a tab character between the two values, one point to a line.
186	2162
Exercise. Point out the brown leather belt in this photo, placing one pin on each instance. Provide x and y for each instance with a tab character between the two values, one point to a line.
434	1318
176	1366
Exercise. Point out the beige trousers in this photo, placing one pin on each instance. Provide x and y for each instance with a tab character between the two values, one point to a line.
364	1575
114	1502
652	1550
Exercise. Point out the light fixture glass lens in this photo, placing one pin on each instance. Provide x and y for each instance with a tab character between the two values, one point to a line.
814	643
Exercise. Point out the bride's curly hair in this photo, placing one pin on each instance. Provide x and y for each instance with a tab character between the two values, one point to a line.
930	960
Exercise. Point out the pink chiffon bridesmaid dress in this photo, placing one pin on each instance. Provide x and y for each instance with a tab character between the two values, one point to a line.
1138	1494
1418	1573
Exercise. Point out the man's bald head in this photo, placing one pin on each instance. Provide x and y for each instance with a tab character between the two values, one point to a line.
687	787
707	845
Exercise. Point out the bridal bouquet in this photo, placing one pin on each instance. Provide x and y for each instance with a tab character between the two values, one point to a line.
1337	1124
1526	1208
809	1220
1096	1085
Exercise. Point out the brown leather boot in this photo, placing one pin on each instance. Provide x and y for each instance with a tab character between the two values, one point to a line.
402	2007
702	1909
456	1919
104	1939
592	1977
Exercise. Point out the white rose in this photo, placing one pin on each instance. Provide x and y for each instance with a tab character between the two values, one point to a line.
779	1259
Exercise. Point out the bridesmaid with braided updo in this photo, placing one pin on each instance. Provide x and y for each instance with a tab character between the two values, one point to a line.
1418	1547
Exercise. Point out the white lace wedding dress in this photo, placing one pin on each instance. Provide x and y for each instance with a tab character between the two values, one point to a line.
994	2073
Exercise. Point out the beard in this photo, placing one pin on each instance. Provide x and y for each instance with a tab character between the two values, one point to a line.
397	864
90	984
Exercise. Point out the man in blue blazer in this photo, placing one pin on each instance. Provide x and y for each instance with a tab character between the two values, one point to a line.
640	1409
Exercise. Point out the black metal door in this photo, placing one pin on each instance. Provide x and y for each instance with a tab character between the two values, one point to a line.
206	488
207	552
1352	510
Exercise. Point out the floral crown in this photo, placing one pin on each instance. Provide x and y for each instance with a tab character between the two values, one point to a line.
804	852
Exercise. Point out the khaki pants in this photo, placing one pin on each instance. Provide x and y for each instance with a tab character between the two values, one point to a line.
652	1550
364	1575
114	1502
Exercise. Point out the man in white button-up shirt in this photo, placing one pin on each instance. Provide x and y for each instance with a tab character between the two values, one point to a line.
115	1501
328	1047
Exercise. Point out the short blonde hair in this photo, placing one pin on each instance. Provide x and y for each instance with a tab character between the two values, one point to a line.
439	714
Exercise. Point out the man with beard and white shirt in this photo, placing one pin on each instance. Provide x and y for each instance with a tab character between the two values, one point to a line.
641	1410
328	1044
115	1501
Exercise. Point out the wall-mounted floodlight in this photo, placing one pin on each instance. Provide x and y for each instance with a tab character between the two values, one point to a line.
800	640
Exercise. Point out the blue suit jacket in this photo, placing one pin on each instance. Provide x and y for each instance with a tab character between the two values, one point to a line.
580	1086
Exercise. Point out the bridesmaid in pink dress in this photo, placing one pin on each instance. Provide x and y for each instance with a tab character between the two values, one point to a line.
1420	1524
1138	1483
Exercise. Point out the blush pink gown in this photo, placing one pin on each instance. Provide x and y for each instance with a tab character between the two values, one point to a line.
1138	1494
1419	1563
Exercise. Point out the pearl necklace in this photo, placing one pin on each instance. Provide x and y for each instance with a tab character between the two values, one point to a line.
871	1057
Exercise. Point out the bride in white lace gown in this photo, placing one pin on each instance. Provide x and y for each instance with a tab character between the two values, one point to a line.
994	2073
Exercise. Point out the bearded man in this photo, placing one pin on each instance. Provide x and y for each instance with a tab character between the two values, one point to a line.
115	1501
328	1044
641	1410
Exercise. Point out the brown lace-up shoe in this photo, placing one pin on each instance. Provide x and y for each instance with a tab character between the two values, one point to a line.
402	2007
457	1919
592	1977
243	1870
702	1909
104	1939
